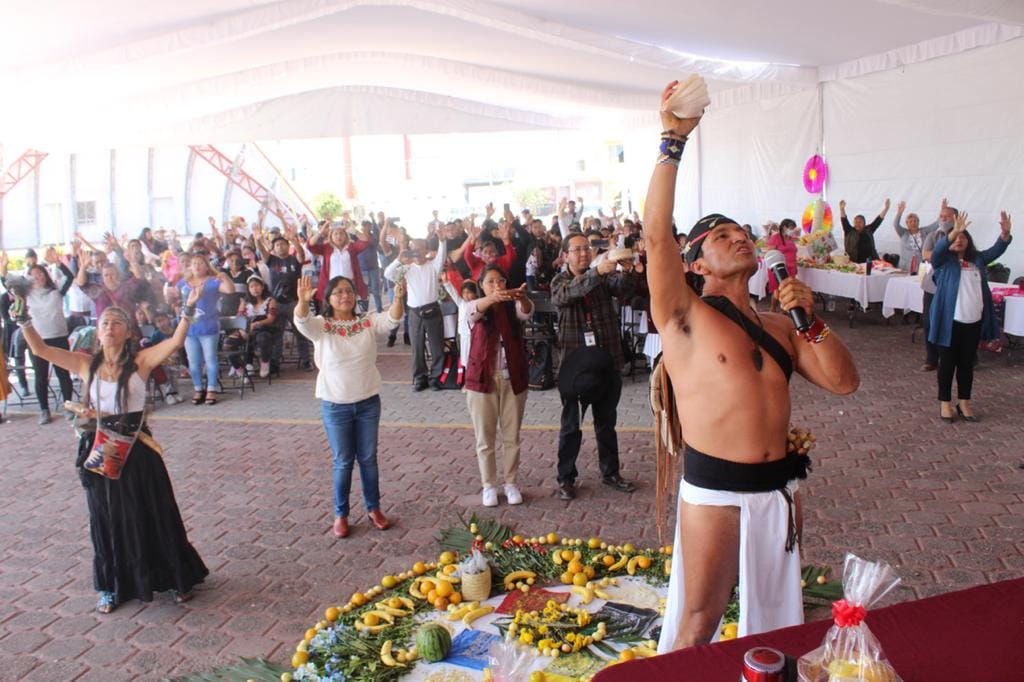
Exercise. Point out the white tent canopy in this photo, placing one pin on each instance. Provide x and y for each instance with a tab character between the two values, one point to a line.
910	99
115	72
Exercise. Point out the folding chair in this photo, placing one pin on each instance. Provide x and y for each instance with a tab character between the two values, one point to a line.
228	325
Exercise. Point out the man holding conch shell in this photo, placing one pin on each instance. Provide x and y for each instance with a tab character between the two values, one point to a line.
738	514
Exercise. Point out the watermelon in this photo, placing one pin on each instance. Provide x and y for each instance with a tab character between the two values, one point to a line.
433	642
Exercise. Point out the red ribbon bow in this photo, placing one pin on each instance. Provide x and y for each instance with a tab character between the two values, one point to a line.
846	614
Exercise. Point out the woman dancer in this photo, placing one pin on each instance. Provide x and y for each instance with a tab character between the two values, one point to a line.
138	537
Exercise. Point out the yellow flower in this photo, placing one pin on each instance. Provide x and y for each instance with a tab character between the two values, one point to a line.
526	637
543	629
570	637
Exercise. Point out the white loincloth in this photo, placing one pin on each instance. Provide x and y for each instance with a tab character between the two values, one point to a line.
769	585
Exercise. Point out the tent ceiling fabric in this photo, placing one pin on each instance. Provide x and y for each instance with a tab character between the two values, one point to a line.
119	72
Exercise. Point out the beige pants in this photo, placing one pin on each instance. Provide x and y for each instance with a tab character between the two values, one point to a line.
501	407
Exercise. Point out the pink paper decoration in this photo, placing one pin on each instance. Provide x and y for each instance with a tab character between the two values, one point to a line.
807	220
815	174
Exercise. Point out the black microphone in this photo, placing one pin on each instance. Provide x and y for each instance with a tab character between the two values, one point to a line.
776	264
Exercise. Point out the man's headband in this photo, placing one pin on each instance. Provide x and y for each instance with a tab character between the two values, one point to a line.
700	230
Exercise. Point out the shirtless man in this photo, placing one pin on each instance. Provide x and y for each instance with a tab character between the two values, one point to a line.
737	515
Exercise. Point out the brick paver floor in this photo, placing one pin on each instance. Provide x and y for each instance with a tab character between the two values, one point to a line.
943	503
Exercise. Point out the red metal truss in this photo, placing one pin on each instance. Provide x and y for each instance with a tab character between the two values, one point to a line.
22	166
245	182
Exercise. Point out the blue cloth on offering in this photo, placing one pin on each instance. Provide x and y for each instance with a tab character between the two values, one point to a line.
469	649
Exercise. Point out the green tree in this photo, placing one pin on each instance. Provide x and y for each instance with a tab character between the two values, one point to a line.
328	205
533	198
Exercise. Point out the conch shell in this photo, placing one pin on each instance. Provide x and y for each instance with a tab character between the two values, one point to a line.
689	98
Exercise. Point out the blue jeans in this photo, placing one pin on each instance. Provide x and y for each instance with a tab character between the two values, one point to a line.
373	284
202	349
352	433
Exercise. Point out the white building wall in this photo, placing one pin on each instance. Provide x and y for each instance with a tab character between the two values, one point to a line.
131	202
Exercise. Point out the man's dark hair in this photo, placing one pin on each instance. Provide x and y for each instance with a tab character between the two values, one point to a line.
859	215
278	239
568	240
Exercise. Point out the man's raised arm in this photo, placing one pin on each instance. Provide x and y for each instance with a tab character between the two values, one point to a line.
666	277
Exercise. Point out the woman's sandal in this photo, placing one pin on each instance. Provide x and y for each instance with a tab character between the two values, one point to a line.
180	597
107	602
198	397
211	400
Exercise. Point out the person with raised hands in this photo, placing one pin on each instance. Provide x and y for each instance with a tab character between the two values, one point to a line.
728	395
496	378
348	386
201	344
961	311
138	537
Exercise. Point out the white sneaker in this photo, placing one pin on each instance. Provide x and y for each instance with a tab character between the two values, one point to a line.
490	497
172	399
264	370
248	367
513	494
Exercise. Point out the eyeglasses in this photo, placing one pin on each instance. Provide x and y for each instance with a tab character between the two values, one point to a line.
498	280
580	249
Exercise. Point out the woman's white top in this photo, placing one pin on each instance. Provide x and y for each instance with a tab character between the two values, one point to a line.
969	304
104	395
463	323
46	308
346	355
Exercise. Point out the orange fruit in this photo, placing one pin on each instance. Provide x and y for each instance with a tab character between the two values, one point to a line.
446	558
419	568
358	599
388	581
628	548
332	613
444	589
566	555
608	560
371	619
627	655
449	569
579	579
426	585
589	571
432	596
518	539
552	538
643	562
441	603
310	634
566	578
575	566
593	543
455	598
395	603
299	658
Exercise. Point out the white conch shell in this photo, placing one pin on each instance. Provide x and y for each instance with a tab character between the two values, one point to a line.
689	98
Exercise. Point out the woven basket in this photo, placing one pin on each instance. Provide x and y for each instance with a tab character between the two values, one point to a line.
477	587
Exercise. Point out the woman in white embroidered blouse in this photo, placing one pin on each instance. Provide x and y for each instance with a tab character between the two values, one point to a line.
348	386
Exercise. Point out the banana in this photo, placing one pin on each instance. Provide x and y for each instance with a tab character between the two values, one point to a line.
631	565
383	615
577	555
586	593
617	566
372	629
511	578
408	603
460	611
448	578
644	652
476	613
387	658
414	590
601	594
392	610
668	566
597	559
556	557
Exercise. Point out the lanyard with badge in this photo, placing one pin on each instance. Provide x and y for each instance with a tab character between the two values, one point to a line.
589	336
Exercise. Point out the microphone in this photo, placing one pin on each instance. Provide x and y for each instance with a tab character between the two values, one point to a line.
776	264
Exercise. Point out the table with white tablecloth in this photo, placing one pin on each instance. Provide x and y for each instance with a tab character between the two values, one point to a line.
1013	315
903	293
863	289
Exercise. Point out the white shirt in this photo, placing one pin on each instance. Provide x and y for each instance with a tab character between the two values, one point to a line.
104	395
341	263
346	355
969	304
463	325
46	308
420	280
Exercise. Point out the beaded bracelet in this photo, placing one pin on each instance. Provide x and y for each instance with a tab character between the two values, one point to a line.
817	332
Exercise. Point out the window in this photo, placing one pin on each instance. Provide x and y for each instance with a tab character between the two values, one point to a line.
581	165
616	153
85	212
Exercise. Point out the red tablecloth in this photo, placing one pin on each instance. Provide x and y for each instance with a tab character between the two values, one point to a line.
975	635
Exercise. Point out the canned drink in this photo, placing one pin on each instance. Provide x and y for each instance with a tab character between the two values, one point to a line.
763	664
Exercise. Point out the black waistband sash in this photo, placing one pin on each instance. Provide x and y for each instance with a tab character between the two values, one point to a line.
713	473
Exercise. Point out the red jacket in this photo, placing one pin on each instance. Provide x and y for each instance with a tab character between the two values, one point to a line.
476	265
500	322
326	250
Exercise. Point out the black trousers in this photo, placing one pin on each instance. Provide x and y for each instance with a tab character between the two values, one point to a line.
931	350
41	368
958	358
570	436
